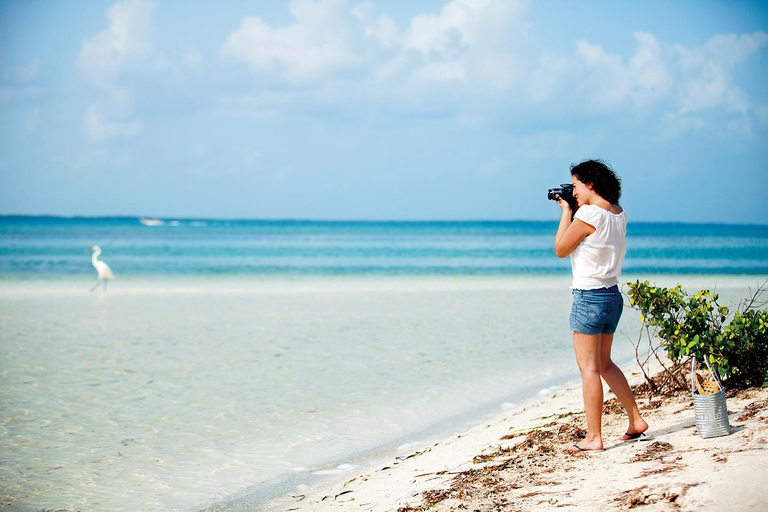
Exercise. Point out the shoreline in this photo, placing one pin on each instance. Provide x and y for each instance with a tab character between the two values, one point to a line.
339	470
671	467
327	475
216	284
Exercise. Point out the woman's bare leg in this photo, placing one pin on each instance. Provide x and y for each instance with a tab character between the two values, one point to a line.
587	348
618	383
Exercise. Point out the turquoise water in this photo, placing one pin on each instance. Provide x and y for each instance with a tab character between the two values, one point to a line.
54	247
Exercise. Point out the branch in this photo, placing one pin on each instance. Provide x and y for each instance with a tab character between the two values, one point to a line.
643	364
752	302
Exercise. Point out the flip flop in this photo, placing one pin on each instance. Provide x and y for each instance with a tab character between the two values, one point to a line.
580	449
629	437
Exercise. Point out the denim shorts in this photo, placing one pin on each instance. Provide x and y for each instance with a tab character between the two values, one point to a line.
596	311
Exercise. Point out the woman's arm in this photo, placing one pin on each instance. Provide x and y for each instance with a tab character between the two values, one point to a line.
570	233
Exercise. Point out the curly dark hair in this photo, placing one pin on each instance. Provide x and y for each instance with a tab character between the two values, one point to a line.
603	179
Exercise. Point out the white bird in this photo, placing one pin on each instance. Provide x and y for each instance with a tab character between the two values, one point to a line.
102	269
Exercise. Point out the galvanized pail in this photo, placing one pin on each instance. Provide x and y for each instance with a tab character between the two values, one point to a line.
710	409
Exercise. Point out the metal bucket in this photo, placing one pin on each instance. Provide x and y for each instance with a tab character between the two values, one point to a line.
711	414
711	410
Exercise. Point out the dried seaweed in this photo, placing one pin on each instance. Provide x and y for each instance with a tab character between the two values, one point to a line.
655	451
648	495
613	406
524	465
753	409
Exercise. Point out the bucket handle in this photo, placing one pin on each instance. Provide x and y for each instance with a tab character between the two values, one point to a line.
693	373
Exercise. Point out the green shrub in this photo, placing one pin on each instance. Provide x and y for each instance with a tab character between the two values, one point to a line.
695	326
747	338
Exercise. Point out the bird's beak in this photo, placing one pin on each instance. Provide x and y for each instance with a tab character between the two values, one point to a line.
89	249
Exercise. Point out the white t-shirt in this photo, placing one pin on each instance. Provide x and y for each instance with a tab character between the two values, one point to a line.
597	261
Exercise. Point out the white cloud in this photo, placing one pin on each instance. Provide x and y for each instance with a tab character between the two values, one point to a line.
383	30
317	44
703	90
97	129
594	55
431	34
707	72
650	71
473	56
461	23
104	60
468	40
126	40
606	82
685	80
731	49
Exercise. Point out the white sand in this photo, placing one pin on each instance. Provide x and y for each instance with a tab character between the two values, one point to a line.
673	468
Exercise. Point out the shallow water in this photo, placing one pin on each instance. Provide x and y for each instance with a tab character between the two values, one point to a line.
136	400
176	395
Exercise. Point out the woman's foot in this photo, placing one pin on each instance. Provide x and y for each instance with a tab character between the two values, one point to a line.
635	430
586	446
578	449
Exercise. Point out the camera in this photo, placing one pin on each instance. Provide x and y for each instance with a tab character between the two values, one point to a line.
565	191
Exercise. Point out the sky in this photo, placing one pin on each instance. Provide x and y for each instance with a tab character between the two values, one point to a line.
381	110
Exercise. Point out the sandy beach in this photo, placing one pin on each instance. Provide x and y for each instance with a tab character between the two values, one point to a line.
517	462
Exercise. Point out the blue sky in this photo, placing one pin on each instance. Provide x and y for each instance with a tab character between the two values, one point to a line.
343	109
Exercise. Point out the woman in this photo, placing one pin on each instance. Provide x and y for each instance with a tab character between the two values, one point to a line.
594	238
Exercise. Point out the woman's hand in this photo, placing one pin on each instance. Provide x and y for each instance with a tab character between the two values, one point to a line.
563	204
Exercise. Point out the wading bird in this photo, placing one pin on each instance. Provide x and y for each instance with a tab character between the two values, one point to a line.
103	270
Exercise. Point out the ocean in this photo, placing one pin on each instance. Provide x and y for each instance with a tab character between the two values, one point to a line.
232	361
53	248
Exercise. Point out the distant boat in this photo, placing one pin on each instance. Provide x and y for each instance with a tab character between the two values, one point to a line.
152	222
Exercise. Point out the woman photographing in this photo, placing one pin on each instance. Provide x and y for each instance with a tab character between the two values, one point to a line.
594	238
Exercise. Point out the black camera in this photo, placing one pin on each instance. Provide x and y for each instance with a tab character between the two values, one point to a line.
566	192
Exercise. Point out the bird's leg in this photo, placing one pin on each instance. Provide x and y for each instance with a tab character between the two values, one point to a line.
105	285
96	285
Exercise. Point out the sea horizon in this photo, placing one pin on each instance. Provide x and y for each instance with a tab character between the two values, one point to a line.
319	220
